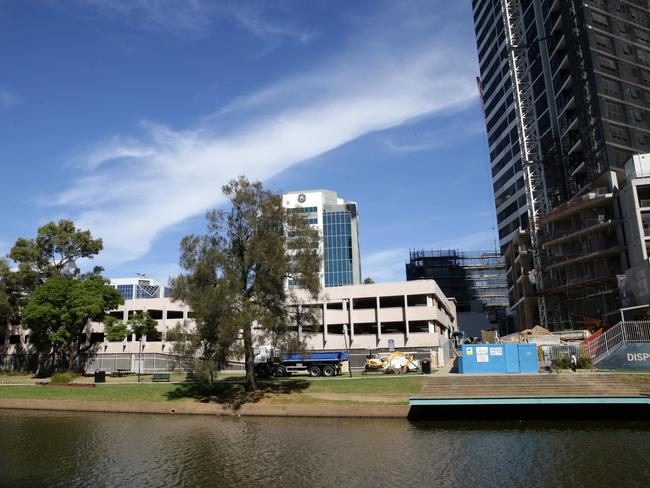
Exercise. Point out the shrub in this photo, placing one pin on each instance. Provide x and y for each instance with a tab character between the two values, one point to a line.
62	378
584	362
562	362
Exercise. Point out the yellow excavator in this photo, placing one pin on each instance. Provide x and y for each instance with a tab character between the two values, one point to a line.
393	362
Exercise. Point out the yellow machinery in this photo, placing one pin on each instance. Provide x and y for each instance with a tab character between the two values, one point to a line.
394	362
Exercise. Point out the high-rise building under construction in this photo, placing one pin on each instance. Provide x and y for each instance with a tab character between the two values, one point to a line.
566	95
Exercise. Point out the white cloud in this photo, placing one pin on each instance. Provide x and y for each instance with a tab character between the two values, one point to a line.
178	17
455	131
389	264
195	18
9	99
135	188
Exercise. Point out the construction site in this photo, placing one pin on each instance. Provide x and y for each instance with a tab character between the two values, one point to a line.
579	73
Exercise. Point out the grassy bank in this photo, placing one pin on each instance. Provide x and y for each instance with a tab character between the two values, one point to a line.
230	390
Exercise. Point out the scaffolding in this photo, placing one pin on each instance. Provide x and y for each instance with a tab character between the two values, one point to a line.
531	158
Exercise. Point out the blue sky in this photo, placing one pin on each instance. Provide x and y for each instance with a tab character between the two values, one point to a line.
127	116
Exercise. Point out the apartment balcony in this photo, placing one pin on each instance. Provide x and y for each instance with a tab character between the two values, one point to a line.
554	286
599	197
563	261
588	226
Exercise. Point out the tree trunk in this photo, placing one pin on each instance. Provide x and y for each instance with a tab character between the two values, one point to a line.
40	366
71	357
249	358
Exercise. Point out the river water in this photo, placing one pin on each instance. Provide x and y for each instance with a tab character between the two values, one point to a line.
90	449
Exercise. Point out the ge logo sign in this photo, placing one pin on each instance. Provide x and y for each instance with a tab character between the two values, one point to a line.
302	198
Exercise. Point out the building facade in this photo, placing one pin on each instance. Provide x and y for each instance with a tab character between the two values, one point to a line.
476	280
139	288
586	66
337	221
408	316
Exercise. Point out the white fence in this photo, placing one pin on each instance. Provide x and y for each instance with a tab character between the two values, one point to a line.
600	346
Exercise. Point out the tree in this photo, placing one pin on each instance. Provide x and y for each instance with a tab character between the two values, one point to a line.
115	329
6	308
60	309
54	252
142	324
234	276
368	281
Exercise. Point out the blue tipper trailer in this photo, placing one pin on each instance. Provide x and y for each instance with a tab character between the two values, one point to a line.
316	363
498	359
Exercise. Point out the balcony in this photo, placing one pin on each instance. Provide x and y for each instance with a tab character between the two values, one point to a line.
588	225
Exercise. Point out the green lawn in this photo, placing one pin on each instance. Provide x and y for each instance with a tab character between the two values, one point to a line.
100	393
229	389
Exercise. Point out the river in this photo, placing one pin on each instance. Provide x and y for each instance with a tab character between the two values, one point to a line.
90	449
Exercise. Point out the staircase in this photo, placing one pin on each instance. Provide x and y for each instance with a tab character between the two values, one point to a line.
521	386
599	346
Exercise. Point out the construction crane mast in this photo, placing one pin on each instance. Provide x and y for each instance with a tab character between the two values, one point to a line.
533	170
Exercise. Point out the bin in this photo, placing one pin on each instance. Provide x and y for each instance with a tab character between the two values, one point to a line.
426	366
100	376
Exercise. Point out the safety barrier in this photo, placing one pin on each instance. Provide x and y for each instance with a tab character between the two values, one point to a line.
598	347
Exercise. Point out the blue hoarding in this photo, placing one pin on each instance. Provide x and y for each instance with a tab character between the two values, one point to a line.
498	359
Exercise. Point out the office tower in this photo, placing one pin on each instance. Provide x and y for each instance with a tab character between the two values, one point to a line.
338	223
566	82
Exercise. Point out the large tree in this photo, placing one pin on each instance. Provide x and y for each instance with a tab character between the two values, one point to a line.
59	310
54	251
234	277
143	324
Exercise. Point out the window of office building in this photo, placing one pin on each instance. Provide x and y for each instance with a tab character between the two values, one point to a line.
337	237
145	290
126	291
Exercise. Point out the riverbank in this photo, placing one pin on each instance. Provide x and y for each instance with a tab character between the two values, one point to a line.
357	397
197	408
372	397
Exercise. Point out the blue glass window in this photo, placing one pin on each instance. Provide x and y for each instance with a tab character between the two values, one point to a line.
126	291
337	238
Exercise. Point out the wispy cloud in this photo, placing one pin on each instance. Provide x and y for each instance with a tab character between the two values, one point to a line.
178	17
134	188
456	129
196	18
255	18
9	99
389	264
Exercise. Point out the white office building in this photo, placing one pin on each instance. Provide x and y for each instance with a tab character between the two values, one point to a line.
337	220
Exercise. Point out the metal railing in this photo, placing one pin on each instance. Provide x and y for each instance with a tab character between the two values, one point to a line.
598	347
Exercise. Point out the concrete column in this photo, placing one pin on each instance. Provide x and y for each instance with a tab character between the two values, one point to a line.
324	324
406	320
378	319
350	320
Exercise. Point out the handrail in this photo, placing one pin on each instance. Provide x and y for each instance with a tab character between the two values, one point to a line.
599	346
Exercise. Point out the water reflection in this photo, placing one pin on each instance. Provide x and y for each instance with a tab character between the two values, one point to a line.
79	449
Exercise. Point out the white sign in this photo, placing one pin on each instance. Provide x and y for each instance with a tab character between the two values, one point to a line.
482	355
638	356
496	351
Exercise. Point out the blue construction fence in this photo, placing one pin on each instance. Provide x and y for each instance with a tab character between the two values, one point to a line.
498	359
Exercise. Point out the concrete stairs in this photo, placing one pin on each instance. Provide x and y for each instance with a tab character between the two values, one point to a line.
540	385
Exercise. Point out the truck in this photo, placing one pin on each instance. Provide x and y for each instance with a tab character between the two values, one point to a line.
323	363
